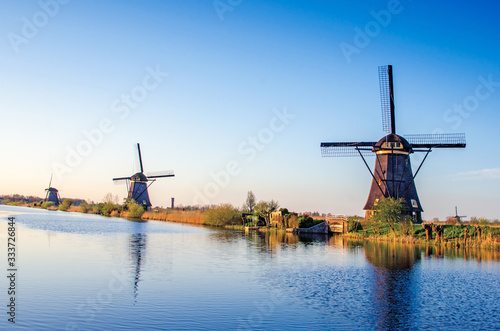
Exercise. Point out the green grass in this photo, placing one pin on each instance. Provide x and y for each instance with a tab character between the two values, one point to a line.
453	235
450	231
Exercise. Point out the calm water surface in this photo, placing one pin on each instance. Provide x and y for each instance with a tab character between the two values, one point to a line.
84	272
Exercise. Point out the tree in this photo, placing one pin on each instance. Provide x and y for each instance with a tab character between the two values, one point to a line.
249	204
265	208
110	198
388	211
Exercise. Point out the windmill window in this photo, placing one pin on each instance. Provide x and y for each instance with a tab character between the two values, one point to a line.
392	145
414	203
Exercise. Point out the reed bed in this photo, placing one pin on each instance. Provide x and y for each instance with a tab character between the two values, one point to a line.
190	217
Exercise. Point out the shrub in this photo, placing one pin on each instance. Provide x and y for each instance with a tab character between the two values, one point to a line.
115	213
483	221
406	225
293	221
354	223
451	221
47	204
135	211
64	206
307	221
107	208
221	215
376	225
84	207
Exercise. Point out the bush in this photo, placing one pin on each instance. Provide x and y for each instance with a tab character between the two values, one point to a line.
107	208
406	225
483	221
47	204
135	211
293	221
451	221
224	214
376	225
307	221
84	207
64	206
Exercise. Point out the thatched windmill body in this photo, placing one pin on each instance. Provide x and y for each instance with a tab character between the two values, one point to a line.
392	175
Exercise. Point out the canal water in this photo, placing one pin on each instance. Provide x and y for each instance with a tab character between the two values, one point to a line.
85	272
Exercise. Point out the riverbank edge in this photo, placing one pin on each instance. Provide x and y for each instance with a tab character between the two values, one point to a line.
445	242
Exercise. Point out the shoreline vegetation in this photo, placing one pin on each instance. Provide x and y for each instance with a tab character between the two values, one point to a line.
266	217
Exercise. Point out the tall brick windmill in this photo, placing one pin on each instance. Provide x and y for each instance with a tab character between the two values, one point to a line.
393	176
139	183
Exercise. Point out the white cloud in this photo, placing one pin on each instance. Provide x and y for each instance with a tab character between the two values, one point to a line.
479	174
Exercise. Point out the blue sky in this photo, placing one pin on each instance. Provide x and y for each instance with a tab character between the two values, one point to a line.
237	96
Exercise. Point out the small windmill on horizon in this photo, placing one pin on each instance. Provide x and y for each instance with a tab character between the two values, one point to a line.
393	176
459	218
138	184
52	194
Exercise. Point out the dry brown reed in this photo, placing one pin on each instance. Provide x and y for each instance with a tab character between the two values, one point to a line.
190	217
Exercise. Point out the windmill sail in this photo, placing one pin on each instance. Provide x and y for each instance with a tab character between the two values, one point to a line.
160	174
387	98
346	149
443	140
140	157
121	178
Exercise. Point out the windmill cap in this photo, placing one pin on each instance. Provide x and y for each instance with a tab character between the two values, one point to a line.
139	177
393	142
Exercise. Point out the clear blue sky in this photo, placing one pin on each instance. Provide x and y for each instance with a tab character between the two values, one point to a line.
194	81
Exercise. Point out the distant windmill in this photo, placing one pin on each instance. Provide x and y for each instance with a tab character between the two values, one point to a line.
137	185
459	218
393	176
52	194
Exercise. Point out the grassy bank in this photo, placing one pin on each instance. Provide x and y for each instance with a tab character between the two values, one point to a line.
452	235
